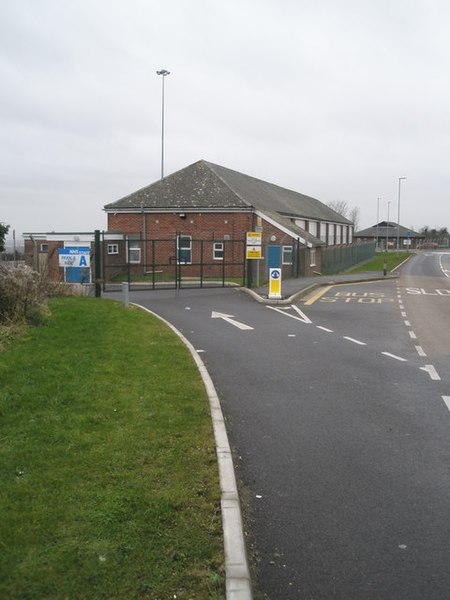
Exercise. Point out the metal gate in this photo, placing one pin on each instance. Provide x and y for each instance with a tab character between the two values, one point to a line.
180	262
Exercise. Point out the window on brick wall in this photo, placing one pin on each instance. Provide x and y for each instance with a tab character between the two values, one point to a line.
134	249
312	257
113	248
44	247
218	251
286	257
184	249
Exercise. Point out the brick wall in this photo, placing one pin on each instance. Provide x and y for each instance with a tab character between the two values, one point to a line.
206	226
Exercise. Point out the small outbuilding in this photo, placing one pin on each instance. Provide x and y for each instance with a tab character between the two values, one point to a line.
386	233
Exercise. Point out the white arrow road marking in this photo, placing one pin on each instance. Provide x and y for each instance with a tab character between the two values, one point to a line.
230	319
431	372
281	309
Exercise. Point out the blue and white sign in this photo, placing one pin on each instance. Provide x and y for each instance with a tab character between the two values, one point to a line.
75	256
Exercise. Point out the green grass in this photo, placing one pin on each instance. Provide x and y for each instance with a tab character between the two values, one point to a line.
377	263
108	473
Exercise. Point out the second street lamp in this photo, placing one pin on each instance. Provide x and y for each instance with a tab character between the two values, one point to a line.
398	214
164	73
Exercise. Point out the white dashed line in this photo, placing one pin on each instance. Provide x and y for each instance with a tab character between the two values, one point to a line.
395	356
355	341
404	315
408	324
412	335
431	372
401	307
324	329
420	351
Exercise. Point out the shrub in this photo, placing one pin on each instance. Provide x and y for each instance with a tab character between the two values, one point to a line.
23	294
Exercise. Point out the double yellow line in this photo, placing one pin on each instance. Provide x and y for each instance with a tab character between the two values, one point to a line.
318	295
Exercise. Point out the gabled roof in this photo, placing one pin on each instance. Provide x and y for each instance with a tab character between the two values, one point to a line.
206	186
388	228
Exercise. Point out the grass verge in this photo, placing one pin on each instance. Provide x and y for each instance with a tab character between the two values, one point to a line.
109	483
377	263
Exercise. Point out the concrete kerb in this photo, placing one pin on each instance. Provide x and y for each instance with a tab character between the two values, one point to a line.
237	573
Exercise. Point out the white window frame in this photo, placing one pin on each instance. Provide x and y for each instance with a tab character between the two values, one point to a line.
113	248
287	250
44	247
185	248
218	250
312	257
331	233
134	250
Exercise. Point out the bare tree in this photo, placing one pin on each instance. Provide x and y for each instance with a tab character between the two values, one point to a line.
354	217
339	206
3	231
349	212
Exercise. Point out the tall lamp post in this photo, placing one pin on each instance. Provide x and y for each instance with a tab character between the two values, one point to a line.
164	73
398	214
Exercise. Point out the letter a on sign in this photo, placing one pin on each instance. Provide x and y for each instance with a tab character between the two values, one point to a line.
83	262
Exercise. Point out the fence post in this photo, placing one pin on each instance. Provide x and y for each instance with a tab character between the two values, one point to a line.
125	293
98	289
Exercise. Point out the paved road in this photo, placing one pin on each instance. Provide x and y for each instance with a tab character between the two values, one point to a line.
341	438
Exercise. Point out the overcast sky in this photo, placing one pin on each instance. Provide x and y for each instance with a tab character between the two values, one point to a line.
336	99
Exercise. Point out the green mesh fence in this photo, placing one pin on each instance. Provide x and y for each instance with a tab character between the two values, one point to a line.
338	258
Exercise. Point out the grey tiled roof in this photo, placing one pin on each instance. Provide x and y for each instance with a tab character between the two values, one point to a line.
204	185
389	229
295	229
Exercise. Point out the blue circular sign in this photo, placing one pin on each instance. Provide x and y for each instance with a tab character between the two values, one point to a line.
275	274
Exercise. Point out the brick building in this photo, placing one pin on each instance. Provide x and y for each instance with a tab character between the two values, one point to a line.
216	206
193	225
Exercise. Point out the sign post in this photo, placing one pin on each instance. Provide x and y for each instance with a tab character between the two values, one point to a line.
253	248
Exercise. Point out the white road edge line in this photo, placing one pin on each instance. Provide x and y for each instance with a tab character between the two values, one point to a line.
354	341
442	267
324	329
420	351
431	372
395	356
446	399
237	572
412	335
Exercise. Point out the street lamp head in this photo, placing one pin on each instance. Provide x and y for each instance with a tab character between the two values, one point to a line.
163	72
